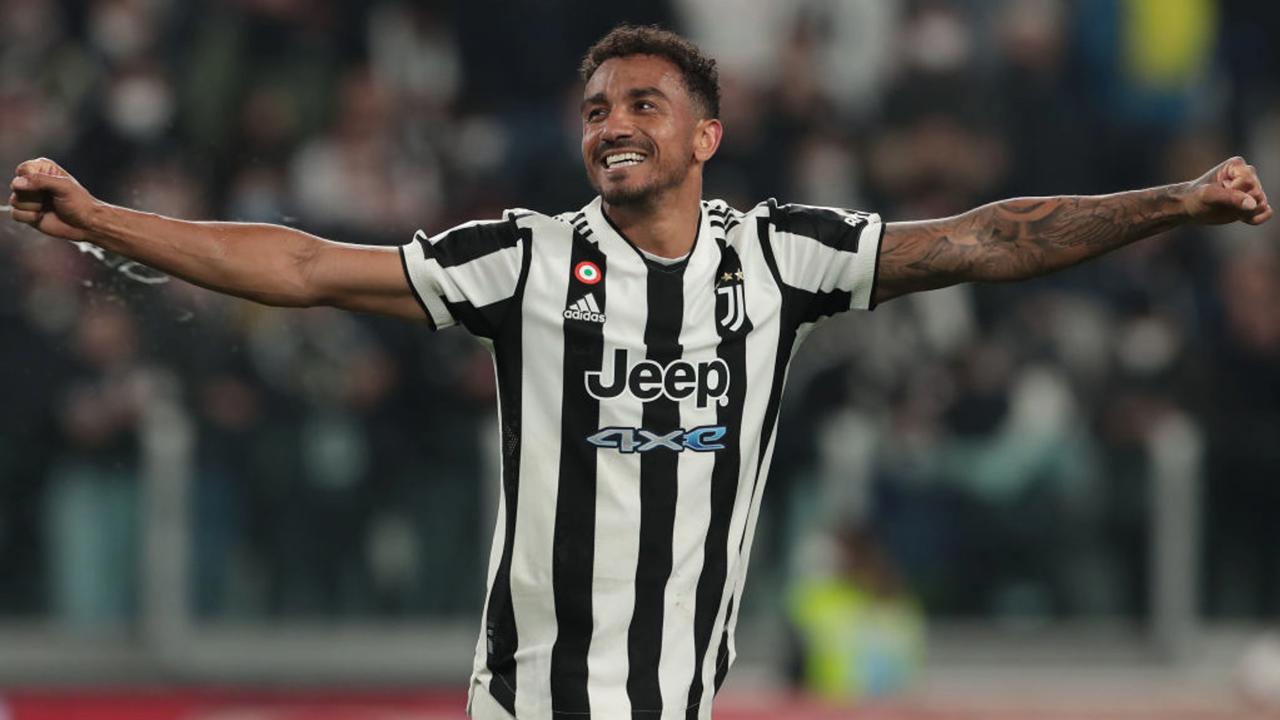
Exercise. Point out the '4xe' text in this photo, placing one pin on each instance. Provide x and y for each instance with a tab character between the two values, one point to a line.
638	440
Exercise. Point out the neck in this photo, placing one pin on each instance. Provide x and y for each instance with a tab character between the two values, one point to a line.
667	225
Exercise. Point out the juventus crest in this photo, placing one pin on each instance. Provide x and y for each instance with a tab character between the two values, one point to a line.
731	296
731	303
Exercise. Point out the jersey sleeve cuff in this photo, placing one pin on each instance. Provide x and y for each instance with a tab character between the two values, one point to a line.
418	271
866	265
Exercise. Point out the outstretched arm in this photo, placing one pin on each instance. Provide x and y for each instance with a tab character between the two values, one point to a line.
1025	237
271	264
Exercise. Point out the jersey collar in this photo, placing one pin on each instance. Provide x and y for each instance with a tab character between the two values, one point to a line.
603	226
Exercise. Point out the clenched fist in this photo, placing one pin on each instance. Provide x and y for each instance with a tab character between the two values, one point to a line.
1227	193
48	199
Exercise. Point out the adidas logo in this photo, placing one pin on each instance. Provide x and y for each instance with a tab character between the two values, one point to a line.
585	309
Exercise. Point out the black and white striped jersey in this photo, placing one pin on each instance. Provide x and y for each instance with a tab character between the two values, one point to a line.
638	403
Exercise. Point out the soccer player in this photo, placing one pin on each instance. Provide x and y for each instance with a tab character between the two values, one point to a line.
641	346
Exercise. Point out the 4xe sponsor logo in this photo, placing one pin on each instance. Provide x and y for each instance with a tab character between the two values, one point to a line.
639	440
648	380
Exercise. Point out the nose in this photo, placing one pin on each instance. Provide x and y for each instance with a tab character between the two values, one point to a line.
617	126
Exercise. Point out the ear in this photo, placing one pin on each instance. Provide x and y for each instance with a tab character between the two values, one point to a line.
706	139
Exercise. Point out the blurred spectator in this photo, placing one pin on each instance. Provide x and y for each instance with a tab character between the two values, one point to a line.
413	52
354	179
1241	567
860	632
1044	117
1148	65
92	506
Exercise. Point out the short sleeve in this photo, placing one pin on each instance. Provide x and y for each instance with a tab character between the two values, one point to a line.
469	274
829	254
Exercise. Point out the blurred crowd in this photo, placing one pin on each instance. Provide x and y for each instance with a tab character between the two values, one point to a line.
996	437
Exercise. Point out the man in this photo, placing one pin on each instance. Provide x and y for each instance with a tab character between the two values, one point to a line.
641	346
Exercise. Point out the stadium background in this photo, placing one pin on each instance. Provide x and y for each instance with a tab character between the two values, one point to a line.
1074	478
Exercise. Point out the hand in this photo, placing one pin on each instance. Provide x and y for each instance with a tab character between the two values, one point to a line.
1228	193
48	199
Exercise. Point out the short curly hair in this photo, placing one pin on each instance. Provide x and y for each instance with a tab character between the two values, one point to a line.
701	78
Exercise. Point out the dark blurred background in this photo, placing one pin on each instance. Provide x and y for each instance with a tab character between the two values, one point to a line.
1004	448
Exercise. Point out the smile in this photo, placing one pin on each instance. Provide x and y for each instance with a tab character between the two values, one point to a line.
622	159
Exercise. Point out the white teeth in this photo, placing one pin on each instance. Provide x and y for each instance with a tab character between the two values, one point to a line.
623	160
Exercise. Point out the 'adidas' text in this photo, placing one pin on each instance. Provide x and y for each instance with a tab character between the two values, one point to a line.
585	309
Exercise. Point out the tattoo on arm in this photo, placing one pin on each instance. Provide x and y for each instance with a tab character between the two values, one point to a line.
1020	238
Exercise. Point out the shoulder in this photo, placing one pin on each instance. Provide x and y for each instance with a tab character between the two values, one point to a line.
721	208
783	217
517	225
725	218
790	212
785	214
822	223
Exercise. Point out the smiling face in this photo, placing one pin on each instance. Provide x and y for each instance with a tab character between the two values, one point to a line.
642	133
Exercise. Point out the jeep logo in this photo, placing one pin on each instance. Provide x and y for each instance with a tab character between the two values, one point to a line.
647	380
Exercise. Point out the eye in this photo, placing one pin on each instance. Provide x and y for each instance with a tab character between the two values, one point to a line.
595	114
645	105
